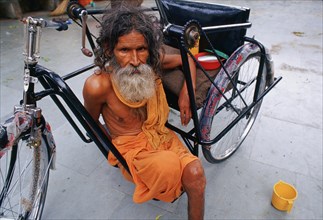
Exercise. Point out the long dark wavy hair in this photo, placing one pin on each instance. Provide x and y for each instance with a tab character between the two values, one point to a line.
122	21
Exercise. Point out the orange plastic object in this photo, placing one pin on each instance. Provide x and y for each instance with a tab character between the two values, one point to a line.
283	196
84	2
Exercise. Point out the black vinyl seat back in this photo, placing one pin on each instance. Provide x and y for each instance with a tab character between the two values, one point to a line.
179	12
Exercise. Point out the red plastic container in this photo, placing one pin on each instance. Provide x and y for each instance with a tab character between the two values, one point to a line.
208	61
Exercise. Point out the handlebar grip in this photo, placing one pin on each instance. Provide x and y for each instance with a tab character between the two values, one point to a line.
58	24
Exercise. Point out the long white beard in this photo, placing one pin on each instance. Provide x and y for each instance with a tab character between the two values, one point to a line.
134	83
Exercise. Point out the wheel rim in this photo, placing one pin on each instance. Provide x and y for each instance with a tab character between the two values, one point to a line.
16	194
231	141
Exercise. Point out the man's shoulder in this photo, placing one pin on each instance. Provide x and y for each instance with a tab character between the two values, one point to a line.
99	79
97	83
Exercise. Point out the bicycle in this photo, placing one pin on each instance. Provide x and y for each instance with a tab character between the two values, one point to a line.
27	146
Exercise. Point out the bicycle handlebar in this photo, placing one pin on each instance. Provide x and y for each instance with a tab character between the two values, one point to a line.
59	25
75	10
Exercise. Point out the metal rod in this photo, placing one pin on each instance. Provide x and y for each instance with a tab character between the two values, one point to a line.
227	27
78	72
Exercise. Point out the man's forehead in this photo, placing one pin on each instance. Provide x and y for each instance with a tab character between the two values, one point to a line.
132	38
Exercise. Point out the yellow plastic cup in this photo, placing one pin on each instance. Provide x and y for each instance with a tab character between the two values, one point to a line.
283	196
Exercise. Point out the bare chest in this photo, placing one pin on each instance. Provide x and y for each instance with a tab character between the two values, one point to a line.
121	119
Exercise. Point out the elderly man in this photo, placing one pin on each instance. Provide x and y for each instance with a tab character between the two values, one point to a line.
126	90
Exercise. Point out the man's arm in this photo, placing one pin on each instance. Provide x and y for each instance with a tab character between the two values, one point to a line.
94	97
171	61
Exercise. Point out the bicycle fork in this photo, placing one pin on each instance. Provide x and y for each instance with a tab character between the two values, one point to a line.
33	29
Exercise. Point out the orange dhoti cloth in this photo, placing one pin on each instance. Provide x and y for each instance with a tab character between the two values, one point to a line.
156	157
156	172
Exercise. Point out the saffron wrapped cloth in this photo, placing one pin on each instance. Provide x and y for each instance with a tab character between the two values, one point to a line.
156	157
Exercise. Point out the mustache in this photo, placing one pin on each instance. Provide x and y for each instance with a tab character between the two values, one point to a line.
129	69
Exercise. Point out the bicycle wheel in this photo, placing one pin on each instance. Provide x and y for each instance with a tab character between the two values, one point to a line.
245	78
24	176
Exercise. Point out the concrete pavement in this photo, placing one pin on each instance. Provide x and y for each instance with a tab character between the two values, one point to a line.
284	144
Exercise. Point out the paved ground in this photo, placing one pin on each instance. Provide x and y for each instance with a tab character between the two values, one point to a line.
285	143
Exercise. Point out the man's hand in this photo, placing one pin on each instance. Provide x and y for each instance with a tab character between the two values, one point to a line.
184	106
184	99
170	61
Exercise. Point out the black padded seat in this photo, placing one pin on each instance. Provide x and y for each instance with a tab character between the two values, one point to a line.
179	12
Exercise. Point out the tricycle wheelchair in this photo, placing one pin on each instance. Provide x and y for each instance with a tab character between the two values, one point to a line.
223	113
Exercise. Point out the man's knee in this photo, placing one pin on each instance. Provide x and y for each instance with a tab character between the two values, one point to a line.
159	170
194	177
165	163
168	159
